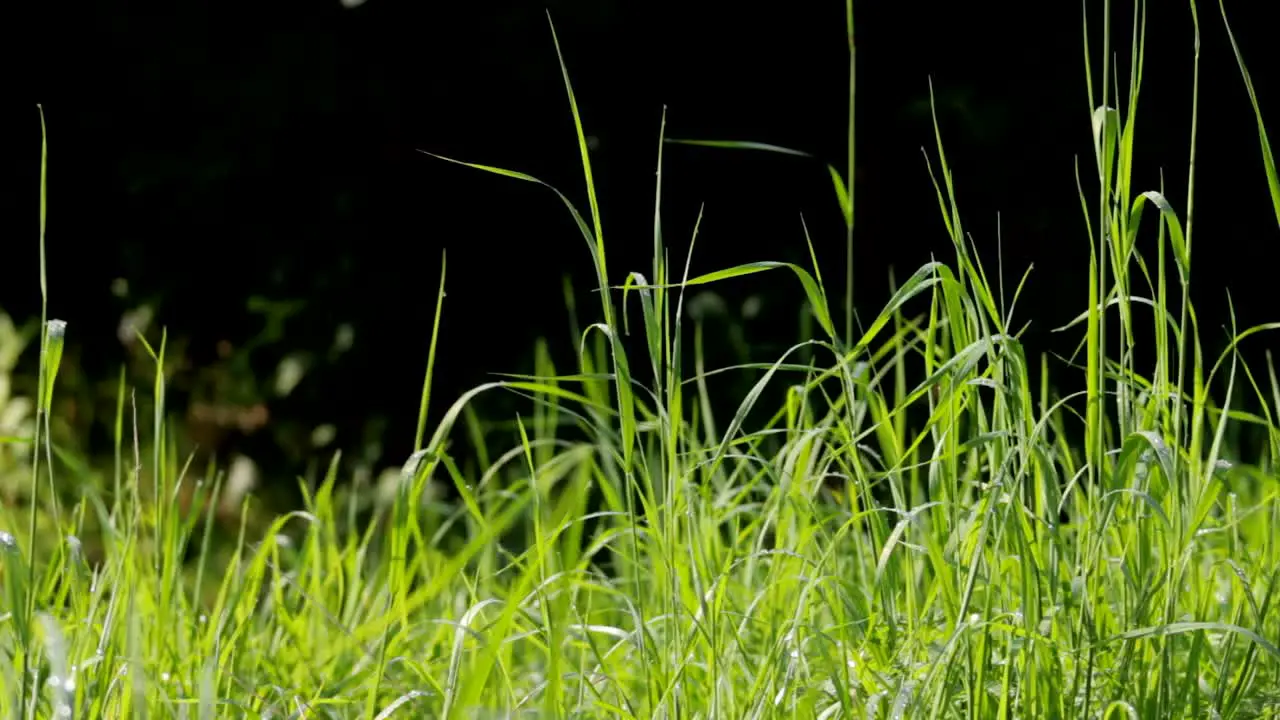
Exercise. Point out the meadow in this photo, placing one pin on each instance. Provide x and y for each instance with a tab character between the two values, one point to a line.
929	523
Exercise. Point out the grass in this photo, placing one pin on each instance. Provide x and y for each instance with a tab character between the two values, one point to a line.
912	531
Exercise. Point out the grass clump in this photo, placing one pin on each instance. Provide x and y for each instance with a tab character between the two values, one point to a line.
912	531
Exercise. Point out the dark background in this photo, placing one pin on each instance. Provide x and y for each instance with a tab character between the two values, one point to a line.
210	152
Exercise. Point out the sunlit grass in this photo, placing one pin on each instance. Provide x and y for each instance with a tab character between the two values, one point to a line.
912	532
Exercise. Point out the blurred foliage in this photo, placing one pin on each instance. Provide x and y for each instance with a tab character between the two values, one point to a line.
17	411
219	413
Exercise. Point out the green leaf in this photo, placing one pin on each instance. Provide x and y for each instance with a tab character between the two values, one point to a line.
740	145
842	195
1268	159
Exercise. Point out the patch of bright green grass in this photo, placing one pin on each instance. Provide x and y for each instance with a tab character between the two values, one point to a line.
910	533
